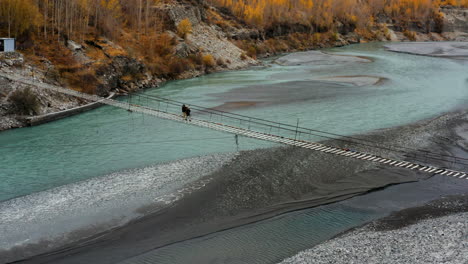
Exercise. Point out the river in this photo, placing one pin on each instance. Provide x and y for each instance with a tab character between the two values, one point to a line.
97	168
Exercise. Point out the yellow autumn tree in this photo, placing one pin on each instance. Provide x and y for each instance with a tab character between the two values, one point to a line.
184	27
18	16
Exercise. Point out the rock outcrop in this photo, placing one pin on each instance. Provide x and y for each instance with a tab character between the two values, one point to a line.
205	38
455	26
455	19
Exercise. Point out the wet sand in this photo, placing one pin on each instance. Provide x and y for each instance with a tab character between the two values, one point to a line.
310	90
454	50
356	80
315	57
242	98
294	92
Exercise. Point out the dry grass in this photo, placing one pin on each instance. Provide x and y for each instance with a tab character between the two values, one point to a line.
95	54
83	81
126	77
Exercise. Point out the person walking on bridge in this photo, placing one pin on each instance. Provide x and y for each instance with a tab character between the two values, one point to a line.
184	111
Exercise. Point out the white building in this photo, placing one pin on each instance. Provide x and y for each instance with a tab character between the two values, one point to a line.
7	44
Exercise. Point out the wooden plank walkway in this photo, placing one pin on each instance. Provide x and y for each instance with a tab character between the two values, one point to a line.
249	133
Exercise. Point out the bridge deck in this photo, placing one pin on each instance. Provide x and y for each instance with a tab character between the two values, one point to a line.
250	133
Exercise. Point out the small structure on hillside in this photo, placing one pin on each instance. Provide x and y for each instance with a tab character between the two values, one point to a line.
7	44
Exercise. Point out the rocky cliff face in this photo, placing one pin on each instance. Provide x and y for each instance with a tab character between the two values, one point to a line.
206	38
455	26
117	71
124	75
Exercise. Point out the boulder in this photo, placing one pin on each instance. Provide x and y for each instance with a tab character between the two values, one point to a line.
73	46
183	50
11	59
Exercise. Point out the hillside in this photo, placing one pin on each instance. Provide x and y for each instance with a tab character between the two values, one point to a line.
121	46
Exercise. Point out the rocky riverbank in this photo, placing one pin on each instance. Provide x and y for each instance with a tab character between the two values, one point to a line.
434	233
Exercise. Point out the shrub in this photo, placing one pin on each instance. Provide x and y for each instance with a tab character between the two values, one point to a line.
158	66
208	61
386	33
252	52
196	58
365	33
317	38
163	44
25	101
88	82
184	28
84	81
243	56
293	41
334	36
409	34
177	66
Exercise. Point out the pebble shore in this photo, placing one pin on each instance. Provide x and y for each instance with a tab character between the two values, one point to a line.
438	240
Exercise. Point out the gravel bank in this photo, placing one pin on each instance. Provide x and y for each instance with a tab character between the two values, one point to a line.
315	57
357	80
437	49
433	240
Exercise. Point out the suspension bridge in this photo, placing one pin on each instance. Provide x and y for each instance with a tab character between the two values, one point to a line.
264	129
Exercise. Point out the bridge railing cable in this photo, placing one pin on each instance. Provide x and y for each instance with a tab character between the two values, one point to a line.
251	123
277	127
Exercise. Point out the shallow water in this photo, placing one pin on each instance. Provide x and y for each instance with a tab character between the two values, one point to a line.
101	203
272	240
264	242
107	141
